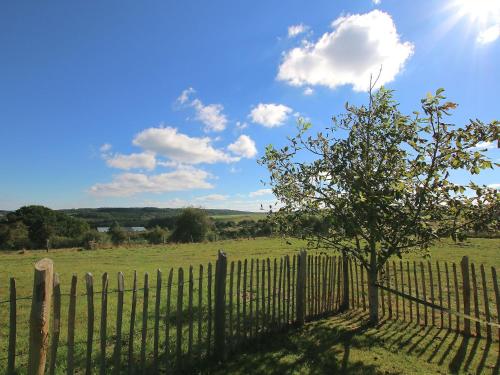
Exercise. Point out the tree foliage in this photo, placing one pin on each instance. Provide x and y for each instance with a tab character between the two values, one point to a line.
378	181
192	225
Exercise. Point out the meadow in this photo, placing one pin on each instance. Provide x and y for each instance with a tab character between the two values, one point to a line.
149	258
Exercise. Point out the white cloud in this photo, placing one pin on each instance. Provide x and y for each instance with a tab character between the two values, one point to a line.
244	146
270	115
494	186
211	115
356	48
295	30
260	192
241	125
179	147
489	35
144	160
212	197
105	148
184	97
308	91
171	203
376	2
127	184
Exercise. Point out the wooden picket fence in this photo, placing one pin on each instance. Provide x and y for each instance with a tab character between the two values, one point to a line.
176	325
193	316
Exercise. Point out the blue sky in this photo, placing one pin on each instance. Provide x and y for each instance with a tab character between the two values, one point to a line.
168	104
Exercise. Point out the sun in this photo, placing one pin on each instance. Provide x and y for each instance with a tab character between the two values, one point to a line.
477	11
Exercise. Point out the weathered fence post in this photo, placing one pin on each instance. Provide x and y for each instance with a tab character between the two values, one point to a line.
466	293
40	316
220	307
301	288
11	362
71	326
56	324
345	274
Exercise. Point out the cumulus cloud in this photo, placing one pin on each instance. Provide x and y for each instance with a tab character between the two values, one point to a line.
260	192
356	48
295	30
376	2
144	160
484	146
211	115
127	184
489	35
178	147
270	115
244	146
494	186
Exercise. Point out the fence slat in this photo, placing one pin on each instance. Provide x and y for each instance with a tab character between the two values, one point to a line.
56	324
104	322
440	294
279	291
263	294
382	296
238	304
269	294
257	296
144	335
409	289
179	320
244	299
90	321
457	295
464	264
250	296
200	310
351	280
156	334
71	326
424	292
395	272
294	270
119	322
132	326
363	297
497	298
476	298
40	316
209	309
431	289
168	311
230	336
388	283
416	290
220	307
339	279
190	314
402	288
11	362
486	303
356	266
288	287
448	289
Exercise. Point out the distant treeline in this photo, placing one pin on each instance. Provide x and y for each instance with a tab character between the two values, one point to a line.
38	227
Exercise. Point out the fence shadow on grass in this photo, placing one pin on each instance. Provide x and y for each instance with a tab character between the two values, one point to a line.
329	346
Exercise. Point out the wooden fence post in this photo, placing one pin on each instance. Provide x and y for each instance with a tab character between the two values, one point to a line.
119	323
56	324
301	288
156	336
144	331
497	297
104	322
180	296
89	280
345	274
220	307
40	316
11	363
466	293
486	303
71	326
476	299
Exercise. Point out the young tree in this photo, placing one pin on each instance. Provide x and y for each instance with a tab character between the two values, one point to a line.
192	225
117	234
379	181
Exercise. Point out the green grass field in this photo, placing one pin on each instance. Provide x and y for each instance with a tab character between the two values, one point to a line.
148	259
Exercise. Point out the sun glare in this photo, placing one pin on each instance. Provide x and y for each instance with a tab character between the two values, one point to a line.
478	11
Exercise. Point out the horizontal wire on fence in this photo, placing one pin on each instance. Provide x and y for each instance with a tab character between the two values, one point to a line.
16	299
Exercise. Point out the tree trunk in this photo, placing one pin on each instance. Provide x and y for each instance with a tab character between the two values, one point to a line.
373	288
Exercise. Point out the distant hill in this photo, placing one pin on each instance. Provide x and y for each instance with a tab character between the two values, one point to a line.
135	216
